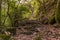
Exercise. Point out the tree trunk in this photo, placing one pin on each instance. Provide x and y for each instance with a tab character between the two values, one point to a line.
0	11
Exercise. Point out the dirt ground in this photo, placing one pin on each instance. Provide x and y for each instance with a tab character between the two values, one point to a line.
45	32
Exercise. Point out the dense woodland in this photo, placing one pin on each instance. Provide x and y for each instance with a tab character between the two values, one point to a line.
26	14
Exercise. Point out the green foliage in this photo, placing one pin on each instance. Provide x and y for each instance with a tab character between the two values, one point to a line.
23	8
4	37
38	38
35	6
57	14
22	12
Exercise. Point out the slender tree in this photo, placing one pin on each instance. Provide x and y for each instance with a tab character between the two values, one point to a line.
57	14
0	11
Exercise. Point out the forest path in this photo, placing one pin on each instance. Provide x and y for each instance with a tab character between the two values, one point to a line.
46	32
